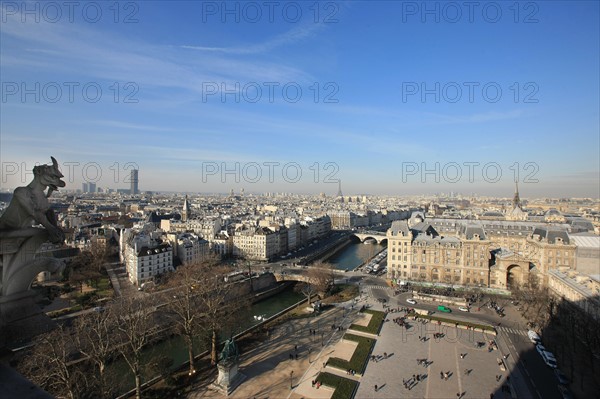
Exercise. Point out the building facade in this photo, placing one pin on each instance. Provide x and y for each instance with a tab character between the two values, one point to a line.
145	258
471	255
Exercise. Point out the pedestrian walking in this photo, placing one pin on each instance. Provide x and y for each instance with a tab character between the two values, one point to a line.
375	388
441	375
291	356
296	356
296	347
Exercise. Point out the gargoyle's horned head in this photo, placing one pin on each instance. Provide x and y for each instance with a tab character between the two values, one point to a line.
49	175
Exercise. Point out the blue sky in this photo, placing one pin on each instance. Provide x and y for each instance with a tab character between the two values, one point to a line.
359	116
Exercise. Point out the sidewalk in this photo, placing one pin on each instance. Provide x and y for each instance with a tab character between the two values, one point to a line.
519	388
268	367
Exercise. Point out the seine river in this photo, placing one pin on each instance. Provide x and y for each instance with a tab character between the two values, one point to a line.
355	255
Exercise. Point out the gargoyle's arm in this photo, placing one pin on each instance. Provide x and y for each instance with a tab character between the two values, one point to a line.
28	203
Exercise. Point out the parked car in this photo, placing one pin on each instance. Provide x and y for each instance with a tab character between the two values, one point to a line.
411	301
561	377
549	359
463	309
564	391
541	349
533	336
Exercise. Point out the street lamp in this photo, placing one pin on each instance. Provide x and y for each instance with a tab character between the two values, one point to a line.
291	381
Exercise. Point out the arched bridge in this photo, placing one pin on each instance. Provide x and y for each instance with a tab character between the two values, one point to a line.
376	235
290	277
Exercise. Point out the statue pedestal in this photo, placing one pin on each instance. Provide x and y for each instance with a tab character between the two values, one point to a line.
21	319
229	377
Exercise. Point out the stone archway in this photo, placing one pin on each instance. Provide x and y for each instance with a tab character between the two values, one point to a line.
514	276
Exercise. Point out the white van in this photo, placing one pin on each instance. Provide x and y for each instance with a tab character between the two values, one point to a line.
533	337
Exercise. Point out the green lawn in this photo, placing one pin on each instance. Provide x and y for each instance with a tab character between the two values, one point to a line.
462	323
375	323
360	356
61	312
104	289
344	388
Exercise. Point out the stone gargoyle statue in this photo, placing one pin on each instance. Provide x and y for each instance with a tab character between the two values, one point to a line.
20	238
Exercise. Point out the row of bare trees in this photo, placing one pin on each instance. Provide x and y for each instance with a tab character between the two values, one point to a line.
201	303
75	361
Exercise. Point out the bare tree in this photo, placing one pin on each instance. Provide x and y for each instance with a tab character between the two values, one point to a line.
99	255
83	268
307	289
135	327
322	276
49	365
95	339
318	279
219	302
185	305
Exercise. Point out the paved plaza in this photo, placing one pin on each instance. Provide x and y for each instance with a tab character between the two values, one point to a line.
269	366
471	376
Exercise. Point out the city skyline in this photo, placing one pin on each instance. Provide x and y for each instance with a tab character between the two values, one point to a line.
395	90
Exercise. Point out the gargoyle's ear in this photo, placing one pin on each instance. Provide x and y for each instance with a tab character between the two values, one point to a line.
55	166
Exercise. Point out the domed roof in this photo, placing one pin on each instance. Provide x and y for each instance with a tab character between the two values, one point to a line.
553	212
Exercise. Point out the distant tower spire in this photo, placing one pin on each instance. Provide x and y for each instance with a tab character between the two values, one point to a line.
516	199
339	194
187	210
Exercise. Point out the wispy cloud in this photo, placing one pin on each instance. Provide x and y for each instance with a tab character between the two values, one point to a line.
82	51
128	125
292	36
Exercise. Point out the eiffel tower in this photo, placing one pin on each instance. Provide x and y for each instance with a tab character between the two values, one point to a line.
339	194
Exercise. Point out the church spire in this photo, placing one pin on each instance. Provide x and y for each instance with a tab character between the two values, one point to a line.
187	210
516	199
